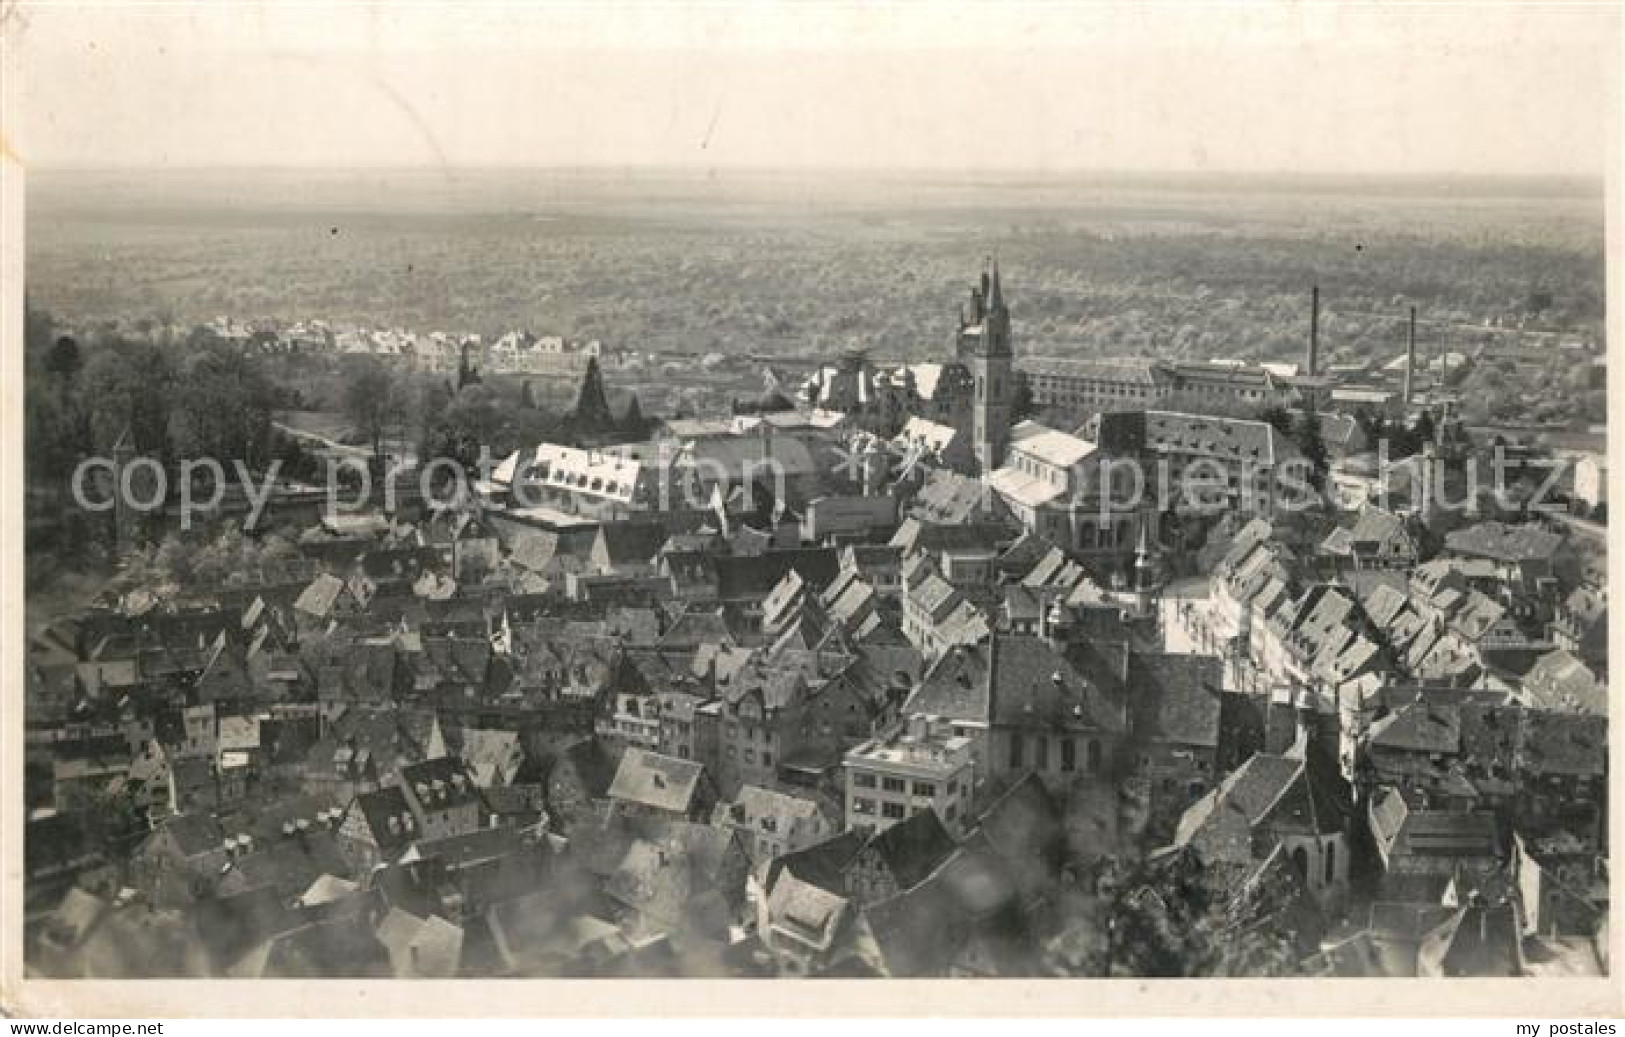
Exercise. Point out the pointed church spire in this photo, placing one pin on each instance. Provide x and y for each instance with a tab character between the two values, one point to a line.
995	301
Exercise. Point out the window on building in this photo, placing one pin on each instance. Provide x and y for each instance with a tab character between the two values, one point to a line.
863	779
1017	751
767	759
893	784
1094	757
1331	863
895	811
1041	753
861	805
1069	755
925	788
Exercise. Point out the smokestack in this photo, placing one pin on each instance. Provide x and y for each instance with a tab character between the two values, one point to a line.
1410	359
1314	329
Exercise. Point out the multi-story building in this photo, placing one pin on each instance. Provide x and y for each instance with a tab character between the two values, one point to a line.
973	395
917	766
1083	387
1053	483
1201	463
442	797
880	399
612	483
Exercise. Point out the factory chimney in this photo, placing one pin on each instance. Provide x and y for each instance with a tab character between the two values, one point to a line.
1314	330
1410	359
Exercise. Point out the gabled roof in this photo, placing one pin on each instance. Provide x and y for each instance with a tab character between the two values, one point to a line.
917	932
697	626
1505	543
441	783
1054	447
956	686
631	543
320	597
388	818
653	780
1419	727
810	912
1560	681
1281	793
1032	684
1177	697
1446	833
948	498
823	864
913	848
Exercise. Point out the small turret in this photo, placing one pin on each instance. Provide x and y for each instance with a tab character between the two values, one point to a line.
1145	571
874	467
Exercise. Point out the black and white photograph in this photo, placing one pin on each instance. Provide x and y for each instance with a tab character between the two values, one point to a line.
790	492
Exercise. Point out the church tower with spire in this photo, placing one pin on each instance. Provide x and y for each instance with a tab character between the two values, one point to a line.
983	346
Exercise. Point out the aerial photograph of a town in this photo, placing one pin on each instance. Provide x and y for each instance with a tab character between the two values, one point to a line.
935	514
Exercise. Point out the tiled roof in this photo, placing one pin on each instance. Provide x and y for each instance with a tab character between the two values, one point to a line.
955	687
440	783
1446	833
1201	435
1181	692
1035	686
808	911
1507	543
319	598
823	864
913	848
652	780
1054	447
948	497
1560	681
631	543
388	818
1125	370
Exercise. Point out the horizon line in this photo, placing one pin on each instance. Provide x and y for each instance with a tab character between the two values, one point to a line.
701	170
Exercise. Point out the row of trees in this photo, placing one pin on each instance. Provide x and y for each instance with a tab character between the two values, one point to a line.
198	399
454	419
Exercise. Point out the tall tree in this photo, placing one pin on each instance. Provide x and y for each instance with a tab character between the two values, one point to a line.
467	374
1310	443
1425	429
1279	417
132	386
592	414
633	423
371	402
64	360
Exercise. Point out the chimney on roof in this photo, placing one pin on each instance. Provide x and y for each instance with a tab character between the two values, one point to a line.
1314	330
1410	358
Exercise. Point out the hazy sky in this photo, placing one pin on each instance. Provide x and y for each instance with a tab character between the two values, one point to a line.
1289	87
